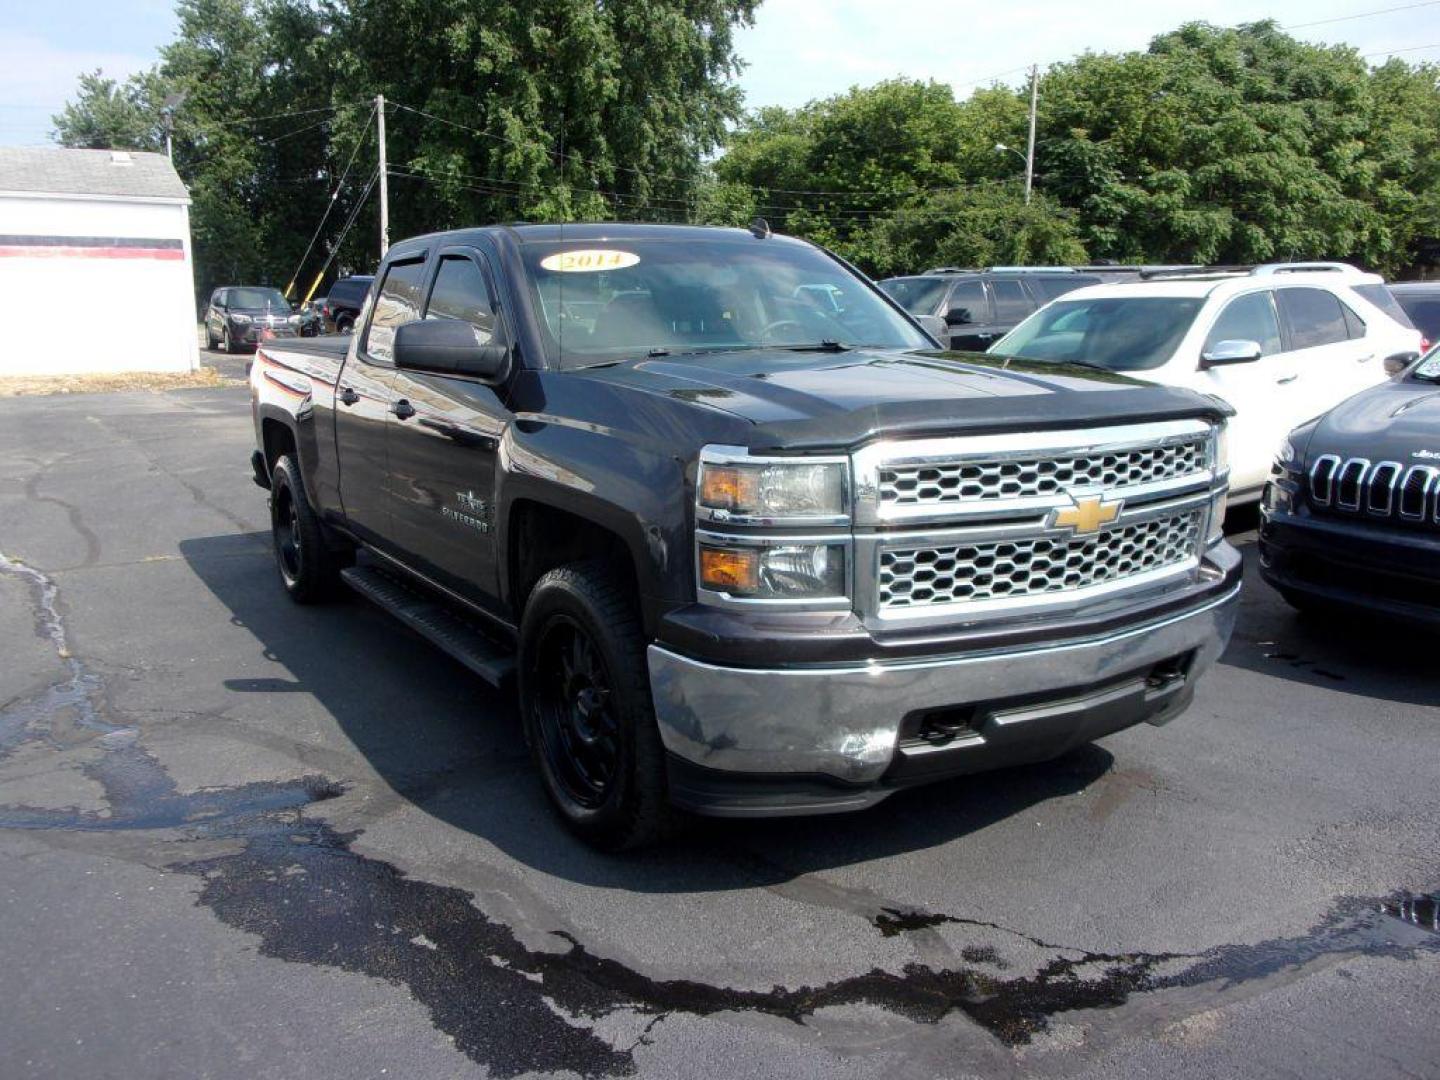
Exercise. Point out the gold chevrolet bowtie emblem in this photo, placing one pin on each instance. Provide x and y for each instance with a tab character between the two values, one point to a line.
1088	513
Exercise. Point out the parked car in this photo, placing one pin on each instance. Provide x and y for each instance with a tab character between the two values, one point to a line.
1351	516
343	304
740	550
1280	343
1420	301
980	306
241	315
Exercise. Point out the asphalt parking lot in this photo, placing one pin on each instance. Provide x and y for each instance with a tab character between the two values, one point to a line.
240	838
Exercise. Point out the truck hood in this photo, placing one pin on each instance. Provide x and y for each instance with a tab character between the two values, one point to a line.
810	400
1395	421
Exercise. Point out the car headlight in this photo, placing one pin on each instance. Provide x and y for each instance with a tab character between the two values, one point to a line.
775	572
239	318
769	491
294	320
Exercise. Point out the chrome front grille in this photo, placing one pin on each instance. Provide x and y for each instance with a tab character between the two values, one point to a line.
939	483
1387	490
914	577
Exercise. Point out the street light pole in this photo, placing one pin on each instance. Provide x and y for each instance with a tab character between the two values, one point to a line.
1030	146
384	178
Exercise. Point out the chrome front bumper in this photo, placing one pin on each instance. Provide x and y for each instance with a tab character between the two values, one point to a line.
844	722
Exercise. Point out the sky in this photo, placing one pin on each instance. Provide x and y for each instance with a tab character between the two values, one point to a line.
797	51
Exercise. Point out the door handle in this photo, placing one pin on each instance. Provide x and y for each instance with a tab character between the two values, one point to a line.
402	409
1286	379
348	396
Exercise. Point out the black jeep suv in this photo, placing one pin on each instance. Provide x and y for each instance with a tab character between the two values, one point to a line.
1351	516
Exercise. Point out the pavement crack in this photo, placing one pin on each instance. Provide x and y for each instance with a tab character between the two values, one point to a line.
72	514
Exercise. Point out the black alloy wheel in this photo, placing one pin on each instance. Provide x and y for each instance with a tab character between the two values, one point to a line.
579	732
285	524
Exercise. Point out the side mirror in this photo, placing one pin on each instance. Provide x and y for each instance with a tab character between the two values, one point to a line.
958	316
1231	352
932	325
1395	365
448	347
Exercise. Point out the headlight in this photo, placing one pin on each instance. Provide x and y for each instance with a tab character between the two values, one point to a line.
294	320
770	491
239	318
778	572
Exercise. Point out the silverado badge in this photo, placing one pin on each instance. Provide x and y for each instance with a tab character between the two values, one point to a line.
1086	514
474	512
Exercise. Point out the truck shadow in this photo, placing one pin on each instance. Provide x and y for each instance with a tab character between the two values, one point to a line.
447	743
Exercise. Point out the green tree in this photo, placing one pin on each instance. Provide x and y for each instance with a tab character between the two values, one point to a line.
107	115
501	109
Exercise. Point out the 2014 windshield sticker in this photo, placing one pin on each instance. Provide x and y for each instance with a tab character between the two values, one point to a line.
588	260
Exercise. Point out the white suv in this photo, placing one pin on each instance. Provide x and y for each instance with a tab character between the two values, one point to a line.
1281	343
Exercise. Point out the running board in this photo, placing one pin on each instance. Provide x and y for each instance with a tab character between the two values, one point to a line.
434	621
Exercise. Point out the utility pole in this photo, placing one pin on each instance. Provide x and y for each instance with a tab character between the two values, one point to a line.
384	175
1029	147
167	114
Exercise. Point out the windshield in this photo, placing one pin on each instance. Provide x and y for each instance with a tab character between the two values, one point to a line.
1121	333
603	301
1429	368
917	295
258	300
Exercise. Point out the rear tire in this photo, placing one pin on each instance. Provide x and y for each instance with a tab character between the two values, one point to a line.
585	703
309	569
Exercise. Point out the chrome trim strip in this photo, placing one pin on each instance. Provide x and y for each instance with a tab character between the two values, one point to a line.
1325	498
1431	477
1341	480
1372	485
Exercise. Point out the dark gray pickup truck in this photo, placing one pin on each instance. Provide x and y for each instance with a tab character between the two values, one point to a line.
749	542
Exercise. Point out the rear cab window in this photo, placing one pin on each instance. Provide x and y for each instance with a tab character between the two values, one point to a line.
398	302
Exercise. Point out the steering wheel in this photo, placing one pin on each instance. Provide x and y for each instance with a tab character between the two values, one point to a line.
778	324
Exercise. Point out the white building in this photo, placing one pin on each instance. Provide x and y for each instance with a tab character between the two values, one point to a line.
95	271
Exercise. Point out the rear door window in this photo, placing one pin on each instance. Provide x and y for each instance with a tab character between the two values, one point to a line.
1011	303
1314	317
1248	318
397	304
967	296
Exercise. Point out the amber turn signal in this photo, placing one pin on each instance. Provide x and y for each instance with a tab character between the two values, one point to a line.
729	570
724	487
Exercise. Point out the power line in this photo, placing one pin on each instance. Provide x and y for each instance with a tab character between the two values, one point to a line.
1410	48
290	134
1360	15
330	204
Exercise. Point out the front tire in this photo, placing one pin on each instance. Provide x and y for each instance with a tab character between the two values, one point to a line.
309	570
585	704
227	343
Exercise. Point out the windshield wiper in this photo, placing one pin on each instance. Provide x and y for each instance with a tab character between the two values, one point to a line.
824	345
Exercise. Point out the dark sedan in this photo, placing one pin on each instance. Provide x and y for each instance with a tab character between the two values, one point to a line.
1351	516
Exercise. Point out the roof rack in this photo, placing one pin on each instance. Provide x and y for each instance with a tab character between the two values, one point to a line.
1304	268
1149	273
